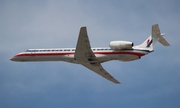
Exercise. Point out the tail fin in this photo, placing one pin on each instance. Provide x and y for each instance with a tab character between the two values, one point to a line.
153	38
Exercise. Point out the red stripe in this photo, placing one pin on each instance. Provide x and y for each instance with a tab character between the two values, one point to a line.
133	53
61	54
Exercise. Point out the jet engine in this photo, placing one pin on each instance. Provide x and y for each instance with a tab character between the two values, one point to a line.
120	45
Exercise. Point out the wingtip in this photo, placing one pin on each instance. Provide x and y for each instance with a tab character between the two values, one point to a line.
118	83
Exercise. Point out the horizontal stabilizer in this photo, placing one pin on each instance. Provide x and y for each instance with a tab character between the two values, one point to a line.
163	41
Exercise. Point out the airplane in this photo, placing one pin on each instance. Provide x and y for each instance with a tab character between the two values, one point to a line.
92	58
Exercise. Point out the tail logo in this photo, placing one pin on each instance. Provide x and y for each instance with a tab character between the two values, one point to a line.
149	42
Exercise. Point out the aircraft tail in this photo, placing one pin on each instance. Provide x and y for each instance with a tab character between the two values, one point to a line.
153	38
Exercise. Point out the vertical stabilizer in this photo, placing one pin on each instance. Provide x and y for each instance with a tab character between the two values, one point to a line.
154	38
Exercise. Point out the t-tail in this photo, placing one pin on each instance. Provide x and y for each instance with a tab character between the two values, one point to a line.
153	38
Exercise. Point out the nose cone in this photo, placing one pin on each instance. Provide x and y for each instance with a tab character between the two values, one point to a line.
19	58
13	59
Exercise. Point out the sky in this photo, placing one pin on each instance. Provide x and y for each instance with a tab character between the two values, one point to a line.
152	81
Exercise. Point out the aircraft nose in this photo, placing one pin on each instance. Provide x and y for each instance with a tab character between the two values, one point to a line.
13	59
18	58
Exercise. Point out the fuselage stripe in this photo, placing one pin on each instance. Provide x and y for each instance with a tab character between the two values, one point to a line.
72	53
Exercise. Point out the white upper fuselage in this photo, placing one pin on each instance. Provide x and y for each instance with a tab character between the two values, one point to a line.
67	54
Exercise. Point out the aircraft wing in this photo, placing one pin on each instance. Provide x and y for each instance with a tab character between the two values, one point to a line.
83	48
97	68
86	57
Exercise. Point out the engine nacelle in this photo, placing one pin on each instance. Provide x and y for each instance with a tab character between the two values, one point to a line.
119	45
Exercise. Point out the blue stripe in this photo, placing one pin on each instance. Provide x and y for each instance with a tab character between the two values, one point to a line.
142	50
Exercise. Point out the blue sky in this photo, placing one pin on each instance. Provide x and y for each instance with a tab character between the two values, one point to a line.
152	81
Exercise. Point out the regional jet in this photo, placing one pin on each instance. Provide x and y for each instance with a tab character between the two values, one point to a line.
92	58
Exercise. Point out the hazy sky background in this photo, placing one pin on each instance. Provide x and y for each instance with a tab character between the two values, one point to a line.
151	82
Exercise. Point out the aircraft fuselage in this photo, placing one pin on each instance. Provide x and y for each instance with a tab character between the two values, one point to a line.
92	58
67	55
